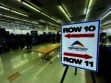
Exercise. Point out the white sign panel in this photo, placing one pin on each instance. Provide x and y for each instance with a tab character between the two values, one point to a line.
80	44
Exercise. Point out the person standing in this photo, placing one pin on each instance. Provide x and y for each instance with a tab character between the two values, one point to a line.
28	42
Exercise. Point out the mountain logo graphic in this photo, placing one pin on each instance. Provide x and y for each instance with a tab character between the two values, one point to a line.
78	46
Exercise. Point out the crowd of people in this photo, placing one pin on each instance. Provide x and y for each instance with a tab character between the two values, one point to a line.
10	41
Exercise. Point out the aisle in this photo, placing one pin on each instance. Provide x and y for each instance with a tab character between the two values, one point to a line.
28	68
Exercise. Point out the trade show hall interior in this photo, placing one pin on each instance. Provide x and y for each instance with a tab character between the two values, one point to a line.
31	40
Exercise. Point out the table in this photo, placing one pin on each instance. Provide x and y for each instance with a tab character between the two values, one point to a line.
45	51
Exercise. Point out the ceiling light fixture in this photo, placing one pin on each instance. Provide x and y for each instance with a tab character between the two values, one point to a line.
1	7
63	5
19	0
13	11
88	9
107	22
104	15
15	18
85	10
39	11
63	11
24	3
19	13
53	24
86	6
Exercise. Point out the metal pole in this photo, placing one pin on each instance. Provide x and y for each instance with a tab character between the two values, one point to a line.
64	74
75	71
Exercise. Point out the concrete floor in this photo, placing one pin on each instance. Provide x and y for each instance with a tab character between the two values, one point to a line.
31	69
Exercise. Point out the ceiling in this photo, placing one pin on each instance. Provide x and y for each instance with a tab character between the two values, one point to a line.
76	10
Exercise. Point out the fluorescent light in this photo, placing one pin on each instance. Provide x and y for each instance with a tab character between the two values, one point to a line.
105	15
4	8
107	22
37	10
19	0
43	21
34	22
48	16
63	11
108	12
9	17
19	13
53	24
8	9
90	3
85	11
88	9
66	10
30	7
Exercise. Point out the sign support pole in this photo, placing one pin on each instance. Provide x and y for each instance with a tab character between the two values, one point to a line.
64	74
75	71
93	77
